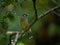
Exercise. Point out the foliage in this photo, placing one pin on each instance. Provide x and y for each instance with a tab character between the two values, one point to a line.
11	10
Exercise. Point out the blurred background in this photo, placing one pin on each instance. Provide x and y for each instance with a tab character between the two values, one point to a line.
45	31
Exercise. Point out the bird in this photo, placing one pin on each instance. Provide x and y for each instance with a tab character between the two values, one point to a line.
24	24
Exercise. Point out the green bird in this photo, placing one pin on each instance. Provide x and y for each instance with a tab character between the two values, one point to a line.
24	23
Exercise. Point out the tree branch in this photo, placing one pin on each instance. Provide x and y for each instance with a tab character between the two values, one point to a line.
35	10
45	13
41	16
34	20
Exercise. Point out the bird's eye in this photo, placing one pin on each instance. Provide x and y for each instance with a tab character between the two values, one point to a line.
25	15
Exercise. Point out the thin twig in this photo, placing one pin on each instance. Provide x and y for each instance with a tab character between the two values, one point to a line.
50	10
16	39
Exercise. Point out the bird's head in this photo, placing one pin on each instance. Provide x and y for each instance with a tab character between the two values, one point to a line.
24	16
